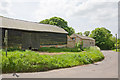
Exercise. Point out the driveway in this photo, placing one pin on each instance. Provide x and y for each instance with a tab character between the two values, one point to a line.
108	68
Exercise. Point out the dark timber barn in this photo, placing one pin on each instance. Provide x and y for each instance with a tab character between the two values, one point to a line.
24	34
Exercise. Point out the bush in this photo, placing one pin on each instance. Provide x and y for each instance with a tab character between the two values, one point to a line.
30	61
79	45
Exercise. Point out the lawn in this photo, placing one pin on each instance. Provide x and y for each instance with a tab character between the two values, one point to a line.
31	61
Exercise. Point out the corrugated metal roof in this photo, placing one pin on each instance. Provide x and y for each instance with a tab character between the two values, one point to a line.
83	37
29	26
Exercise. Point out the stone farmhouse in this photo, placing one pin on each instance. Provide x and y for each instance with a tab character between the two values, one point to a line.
76	38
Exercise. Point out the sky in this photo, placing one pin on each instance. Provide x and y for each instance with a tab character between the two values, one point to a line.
82	15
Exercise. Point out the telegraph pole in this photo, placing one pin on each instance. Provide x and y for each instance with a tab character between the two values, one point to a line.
116	42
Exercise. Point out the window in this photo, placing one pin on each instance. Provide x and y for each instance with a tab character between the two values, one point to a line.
73	38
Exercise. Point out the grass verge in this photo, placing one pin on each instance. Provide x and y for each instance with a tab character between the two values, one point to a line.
29	61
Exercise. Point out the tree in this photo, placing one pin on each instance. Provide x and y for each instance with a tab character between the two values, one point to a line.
80	33
118	43
102	38
60	23
70	30
86	33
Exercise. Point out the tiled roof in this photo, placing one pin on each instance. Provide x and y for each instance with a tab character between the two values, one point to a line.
83	37
29	26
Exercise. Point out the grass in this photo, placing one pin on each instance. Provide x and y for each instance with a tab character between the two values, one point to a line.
30	61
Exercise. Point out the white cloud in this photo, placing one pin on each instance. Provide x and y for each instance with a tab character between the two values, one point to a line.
86	13
5	7
97	14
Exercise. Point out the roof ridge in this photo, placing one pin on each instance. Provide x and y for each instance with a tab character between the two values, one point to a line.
81	36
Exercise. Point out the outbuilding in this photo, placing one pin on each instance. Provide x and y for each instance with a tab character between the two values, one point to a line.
76	38
24	34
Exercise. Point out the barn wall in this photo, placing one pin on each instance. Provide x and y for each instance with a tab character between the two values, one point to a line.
0	38
0	32
26	39
14	38
3	36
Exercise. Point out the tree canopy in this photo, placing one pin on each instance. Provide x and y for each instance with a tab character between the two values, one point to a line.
80	33
60	23
103	38
86	33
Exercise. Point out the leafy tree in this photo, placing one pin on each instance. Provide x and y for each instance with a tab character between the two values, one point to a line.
118	43
70	30
60	23
86	33
80	33
46	21
102	38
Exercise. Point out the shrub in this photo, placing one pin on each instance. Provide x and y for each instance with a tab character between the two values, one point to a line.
30	61
79	45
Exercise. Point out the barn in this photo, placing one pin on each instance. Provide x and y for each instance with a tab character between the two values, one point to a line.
22	34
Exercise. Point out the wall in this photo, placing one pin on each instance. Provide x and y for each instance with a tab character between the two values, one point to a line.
57	46
86	42
0	38
70	42
0	32
25	39
0	21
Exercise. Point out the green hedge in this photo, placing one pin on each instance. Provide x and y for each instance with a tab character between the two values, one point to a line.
29	61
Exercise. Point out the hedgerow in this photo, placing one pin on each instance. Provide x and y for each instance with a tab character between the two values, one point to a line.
31	61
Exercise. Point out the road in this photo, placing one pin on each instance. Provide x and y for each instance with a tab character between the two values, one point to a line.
108	68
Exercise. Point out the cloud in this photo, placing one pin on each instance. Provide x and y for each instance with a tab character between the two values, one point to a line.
97	14
81	14
96	11
4	7
86	13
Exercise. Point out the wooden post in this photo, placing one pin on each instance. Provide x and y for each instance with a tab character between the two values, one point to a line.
6	40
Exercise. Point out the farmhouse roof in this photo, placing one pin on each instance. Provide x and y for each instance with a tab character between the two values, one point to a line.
83	37
29	26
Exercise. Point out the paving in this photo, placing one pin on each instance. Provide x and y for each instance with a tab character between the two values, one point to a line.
108	68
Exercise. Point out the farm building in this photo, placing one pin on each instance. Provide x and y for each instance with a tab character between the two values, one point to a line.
76	38
25	34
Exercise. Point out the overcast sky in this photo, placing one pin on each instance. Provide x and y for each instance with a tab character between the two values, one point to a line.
82	15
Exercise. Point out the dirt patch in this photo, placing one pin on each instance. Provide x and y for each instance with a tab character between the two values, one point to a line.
47	53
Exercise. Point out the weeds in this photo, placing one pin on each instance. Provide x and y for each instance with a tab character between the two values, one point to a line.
30	61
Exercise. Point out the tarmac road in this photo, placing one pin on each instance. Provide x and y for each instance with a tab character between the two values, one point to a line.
108	68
